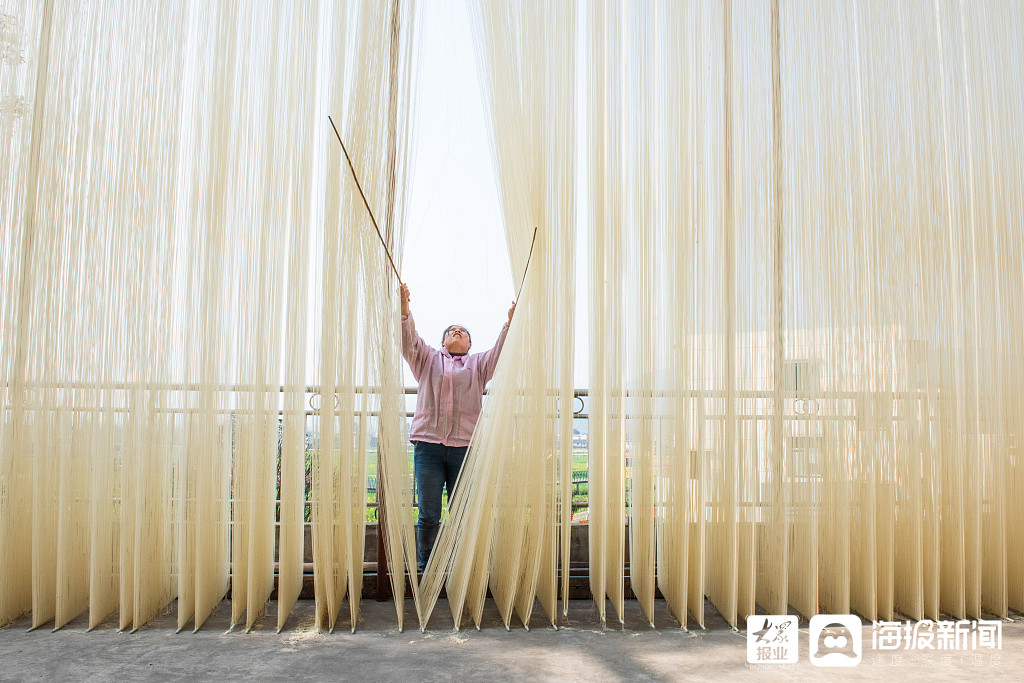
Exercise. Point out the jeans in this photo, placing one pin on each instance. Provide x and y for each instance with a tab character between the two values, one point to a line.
436	466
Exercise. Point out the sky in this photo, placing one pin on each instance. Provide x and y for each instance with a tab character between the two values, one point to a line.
455	261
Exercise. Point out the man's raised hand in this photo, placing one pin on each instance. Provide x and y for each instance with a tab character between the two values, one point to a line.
405	299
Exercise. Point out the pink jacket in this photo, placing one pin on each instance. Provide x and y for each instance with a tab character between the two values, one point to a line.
451	389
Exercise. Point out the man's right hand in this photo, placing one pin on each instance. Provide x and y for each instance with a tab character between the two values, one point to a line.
405	299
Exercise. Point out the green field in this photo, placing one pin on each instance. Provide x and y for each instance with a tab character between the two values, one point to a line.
579	469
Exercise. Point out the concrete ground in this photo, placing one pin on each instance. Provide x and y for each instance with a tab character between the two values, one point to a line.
581	650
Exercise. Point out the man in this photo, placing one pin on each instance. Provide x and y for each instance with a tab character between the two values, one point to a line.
448	402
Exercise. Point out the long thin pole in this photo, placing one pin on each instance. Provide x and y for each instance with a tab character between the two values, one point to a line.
365	203
528	259
778	596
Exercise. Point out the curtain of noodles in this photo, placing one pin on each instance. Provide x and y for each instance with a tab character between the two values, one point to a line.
332	462
280	46
805	282
159	256
828	235
991	50
393	156
361	346
641	212
674	438
606	428
898	342
360	363
639	156
299	61
503	529
995	48
132	488
252	492
247	224
203	532
24	49
74	224
673	228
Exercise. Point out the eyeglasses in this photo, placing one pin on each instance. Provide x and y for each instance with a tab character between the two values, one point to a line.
453	330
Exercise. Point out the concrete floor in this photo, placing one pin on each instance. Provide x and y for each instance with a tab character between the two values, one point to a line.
581	650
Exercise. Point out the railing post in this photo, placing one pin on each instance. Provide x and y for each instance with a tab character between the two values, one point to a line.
383	583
